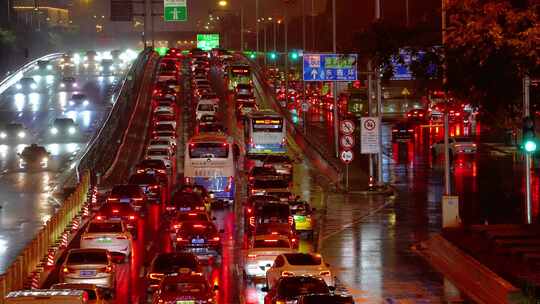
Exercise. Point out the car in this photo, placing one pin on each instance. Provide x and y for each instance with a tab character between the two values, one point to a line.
163	130
271	184
26	84
165	101
288	289
303	216
165	119
402	132
277	229
417	116
34	157
112	235
44	65
93	293
265	212
185	288
79	99
90	266
299	264
13	132
164	110
281	163
67	84
150	185
163	154
64	128
244	89
179	217
129	194
210	128
316	298
164	264
151	166
206	107
66	62
161	144
207	197
186	202
457	145
119	211
263	251
199	237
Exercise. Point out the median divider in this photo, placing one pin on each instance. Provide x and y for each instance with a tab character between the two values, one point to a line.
27	269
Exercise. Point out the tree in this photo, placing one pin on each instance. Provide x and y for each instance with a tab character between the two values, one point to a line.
490	45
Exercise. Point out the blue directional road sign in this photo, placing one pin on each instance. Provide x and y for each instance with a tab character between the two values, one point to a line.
330	67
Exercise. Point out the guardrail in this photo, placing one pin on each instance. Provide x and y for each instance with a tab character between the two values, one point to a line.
331	164
17	75
102	149
33	259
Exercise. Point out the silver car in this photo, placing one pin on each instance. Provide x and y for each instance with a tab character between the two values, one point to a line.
111	235
91	266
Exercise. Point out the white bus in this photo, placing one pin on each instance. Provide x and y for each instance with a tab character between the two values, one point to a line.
265	133
209	161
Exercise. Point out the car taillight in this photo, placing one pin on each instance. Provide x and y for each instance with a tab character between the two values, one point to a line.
176	226
291	220
67	270
249	210
115	211
294	240
140	171
99	217
408	115
88	237
154	187
287	273
324	273
107	269
132	217
252	221
252	256
161	171
112	199
179	239
394	130
411	130
457	113
137	199
155	276
121	237
216	239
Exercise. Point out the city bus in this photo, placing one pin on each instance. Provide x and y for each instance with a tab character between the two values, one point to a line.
265	133
238	73
209	161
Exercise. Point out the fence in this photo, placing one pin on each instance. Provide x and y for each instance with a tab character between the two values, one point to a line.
32	258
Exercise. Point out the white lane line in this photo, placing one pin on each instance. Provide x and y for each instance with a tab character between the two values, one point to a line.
359	220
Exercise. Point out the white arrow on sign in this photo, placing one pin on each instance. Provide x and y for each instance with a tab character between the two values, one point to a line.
314	74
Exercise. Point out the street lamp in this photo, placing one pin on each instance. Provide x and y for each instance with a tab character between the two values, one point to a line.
223	3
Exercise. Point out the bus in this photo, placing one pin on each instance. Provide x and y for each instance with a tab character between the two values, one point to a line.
238	73
265	133
209	161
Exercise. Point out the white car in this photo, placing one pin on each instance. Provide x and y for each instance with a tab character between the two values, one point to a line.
92	266
161	144
206	107
161	154
299	264
457	145
164	110
263	252
171	141
111	235
165	120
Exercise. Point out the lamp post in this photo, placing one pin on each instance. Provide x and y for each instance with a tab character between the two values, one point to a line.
224	4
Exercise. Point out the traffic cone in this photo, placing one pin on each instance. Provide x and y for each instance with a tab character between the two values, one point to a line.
50	256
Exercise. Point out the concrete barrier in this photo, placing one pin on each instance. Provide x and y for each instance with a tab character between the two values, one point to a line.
472	278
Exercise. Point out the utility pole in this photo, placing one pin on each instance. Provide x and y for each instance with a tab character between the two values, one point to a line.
265	49
286	21
303	25
313	25
242	28
526	114
335	112
274	23
378	92
370	113
257	24
407	13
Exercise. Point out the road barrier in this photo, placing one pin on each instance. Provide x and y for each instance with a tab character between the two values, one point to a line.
29	264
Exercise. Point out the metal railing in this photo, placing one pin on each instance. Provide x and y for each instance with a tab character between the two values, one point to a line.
32	259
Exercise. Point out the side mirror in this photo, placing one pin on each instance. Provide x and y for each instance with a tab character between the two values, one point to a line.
268	265
221	230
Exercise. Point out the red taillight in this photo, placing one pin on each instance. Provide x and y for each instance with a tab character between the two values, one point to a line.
161	171
252	221
140	171
216	239
112	199
287	273
291	220
99	217
457	113
132	217
411	130
249	210
115	211
252	256
66	270
179	239
122	237
107	269
137	199
421	115
408	115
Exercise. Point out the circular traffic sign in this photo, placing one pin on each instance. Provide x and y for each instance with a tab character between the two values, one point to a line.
346	141
346	127
305	106
346	156
370	124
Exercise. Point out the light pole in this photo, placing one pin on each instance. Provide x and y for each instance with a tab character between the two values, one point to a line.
257	24
335	112
223	4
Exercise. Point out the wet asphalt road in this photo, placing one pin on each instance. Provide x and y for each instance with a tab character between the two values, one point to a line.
27	198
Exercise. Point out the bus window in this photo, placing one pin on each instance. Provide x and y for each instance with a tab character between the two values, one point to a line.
205	150
267	125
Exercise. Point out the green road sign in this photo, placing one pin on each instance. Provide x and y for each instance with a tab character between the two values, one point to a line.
175	10
207	41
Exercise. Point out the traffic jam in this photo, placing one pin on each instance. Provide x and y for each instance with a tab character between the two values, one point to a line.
208	215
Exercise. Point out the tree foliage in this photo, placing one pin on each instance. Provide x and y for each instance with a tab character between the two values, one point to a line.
490	45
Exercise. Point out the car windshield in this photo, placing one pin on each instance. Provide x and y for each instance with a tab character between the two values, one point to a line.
186	288
211	128
303	259
119	207
189	216
269	184
171	262
165	127
142	179
128	190
205	107
327	299
296	286
271	244
103	227
153	163
87	257
156	152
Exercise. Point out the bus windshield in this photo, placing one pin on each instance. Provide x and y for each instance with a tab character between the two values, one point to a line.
273	124
206	150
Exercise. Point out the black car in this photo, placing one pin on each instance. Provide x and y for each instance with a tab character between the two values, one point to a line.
171	263
325	298
13	132
199	237
64	129
402	132
289	289
34	157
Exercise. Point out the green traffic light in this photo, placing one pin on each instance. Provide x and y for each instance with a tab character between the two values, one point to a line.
294	56
530	146
272	56
252	55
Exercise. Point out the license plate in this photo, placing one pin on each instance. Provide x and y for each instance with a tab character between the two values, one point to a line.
115	218
197	241
104	240
185	209
125	200
151	172
185	302
88	273
300	219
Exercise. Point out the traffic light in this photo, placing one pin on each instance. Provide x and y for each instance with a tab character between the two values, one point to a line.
529	136
294	55
272	55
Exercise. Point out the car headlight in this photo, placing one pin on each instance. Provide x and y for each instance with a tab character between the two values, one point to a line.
33	86
21	134
3	135
36	68
85	103
54	131
111	68
22	163
100	68
74	85
49	67
71	130
18	86
85	65
62	85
